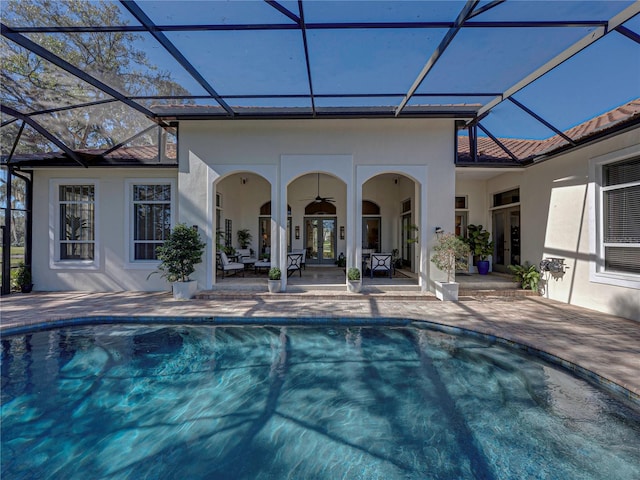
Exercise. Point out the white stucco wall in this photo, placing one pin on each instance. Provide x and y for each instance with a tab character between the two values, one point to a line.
277	153
112	271
555	222
353	151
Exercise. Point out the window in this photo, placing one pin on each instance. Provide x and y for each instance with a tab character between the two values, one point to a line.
621	216
615	218
506	198
149	207
73	223
461	216
151	204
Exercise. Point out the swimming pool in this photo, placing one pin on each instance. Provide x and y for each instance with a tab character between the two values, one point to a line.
303	402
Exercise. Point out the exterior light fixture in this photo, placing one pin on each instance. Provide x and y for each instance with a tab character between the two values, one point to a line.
297	232
439	231
342	232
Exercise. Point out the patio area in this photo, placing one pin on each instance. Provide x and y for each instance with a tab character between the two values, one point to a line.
602	347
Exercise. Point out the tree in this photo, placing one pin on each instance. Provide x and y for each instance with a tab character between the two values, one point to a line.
30	83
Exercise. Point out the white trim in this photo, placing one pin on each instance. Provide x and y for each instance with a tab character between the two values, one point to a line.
54	226
129	262
597	274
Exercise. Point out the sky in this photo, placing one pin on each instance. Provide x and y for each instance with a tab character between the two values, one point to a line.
387	61
603	76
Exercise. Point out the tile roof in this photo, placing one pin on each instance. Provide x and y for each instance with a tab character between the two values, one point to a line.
526	150
489	152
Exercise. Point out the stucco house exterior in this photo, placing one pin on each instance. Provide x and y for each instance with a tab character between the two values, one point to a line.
380	176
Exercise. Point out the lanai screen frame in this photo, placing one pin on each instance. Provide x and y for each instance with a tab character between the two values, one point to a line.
413	102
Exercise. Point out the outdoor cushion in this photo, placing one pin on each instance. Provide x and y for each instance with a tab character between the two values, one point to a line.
227	266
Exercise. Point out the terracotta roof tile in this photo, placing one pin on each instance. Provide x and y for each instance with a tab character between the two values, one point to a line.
488	150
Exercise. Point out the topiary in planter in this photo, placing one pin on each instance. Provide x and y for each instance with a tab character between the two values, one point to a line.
449	254
181	251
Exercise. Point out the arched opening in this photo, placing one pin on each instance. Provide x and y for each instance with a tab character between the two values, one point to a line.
388	217
264	221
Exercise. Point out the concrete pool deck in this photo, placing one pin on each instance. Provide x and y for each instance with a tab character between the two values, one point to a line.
607	345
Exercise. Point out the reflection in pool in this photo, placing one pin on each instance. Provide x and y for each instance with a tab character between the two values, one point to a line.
277	402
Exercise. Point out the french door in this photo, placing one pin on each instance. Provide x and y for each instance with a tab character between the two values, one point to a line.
407	249
506	234
320	240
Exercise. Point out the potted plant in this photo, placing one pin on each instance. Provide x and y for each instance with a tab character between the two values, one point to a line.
354	280
274	283
448	256
244	238
181	251
527	275
481	247
22	278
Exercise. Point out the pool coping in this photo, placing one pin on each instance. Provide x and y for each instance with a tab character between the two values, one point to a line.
616	389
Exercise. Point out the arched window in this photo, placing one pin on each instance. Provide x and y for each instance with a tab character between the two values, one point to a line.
370	208
320	208
265	209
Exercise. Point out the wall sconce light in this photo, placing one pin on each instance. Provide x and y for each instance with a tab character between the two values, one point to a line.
297	232
439	231
342	232
243	180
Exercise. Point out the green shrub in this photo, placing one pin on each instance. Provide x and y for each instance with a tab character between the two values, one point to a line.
527	275
181	251
353	273
21	276
274	273
450	253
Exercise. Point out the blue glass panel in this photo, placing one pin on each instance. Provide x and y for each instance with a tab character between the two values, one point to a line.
136	65
553	10
97	126
358	101
269	102
376	11
369	61
599	78
56	14
212	12
247	62
633	24
509	121
493	60
24	93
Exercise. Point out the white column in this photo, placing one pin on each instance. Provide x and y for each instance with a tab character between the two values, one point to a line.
354	223
279	226
421	214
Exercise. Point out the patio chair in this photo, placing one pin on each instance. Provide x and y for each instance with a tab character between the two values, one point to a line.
245	257
294	263
303	251
227	266
381	262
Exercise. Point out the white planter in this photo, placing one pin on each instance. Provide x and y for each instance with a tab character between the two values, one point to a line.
354	286
274	285
447	291
184	290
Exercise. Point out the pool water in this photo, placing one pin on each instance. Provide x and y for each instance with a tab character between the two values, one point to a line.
275	402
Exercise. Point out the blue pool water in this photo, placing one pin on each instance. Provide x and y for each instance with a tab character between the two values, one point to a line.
276	402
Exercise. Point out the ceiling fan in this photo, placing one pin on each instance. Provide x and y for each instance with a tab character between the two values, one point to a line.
320	199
